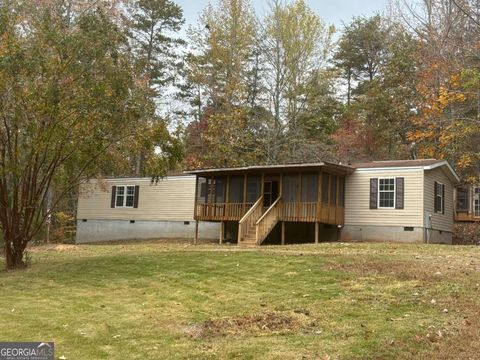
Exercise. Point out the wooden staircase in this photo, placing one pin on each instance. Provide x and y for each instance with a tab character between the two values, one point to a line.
247	224
255	226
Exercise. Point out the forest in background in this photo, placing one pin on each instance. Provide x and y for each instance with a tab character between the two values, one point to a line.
398	85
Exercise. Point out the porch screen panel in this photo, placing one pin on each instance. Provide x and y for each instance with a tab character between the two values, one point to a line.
325	180
333	190
236	189
341	191
290	187
220	184
309	187
202	190
462	199
254	188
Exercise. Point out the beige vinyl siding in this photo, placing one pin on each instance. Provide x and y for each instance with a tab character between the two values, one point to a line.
439	221
357	199
171	199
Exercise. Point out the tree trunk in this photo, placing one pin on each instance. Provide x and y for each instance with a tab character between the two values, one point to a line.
14	254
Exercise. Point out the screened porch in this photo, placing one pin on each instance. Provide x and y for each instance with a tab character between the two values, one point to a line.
303	196
467	203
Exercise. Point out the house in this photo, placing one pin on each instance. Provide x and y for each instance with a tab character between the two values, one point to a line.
467	203
137	208
409	201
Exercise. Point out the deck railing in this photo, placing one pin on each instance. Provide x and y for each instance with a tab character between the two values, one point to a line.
290	211
222	211
299	211
465	216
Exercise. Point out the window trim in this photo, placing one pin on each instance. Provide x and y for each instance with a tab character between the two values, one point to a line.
384	191
442	188
125	197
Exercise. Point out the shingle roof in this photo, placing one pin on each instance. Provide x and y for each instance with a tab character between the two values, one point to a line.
274	168
396	163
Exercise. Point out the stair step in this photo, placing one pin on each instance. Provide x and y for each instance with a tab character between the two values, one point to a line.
247	244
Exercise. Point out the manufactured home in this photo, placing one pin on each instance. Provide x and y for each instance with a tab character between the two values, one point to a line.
401	201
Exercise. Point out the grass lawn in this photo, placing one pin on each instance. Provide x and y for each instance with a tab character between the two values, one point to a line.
174	301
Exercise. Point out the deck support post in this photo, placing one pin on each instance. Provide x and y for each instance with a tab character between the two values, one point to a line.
195	240
222	232
283	233
317	226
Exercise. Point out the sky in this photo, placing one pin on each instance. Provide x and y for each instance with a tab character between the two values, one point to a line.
331	11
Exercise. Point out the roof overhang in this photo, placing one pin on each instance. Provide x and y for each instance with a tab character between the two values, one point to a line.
271	169
449	171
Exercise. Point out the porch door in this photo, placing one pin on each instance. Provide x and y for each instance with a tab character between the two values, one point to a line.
476	201
270	192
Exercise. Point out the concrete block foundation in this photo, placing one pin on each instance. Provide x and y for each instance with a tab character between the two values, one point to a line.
403	234
91	231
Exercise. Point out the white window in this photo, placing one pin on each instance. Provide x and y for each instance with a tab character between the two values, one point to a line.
386	193
125	196
439	193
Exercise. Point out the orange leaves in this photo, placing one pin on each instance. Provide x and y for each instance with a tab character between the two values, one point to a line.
447	96
465	161
418	135
442	128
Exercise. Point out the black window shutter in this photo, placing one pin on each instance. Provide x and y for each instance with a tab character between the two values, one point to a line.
135	199
435	201
373	193
114	195
399	192
443	199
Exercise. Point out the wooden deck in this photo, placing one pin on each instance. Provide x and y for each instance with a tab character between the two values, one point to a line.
288	211
466	217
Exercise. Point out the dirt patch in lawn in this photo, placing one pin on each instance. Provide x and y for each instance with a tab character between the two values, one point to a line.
257	324
54	247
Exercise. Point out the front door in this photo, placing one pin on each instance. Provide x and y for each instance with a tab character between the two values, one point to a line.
270	192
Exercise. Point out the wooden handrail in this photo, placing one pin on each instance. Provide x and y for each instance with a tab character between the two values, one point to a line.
252	209
269	209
